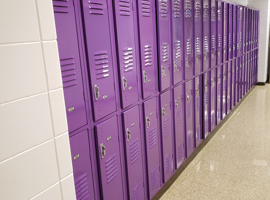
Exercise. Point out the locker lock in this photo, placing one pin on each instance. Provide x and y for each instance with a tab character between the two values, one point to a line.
212	54
205	86
187	97
218	53
144	76
176	104
163	71
205	56
233	47
147	122
230	49
124	83
103	150
196	59
212	82
218	80
175	66
197	92
163	112
71	109
128	134
96	90
187	65
224	50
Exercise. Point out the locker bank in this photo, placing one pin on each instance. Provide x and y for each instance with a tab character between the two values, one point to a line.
145	84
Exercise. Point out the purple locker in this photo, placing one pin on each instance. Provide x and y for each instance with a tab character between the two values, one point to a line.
249	30
198	36
179	125
152	146
230	32
219	33
167	135
243	75
206	34
224	90
239	30
164	45
213	34
225	31
109	159
99	55
127	63
189	88
240	64
213	98
229	86
236	93
234	30
233	84
177	41
244	31
198	111
134	160
147	32
219	94
252	29
206	104
82	169
188	38
247	72
70	64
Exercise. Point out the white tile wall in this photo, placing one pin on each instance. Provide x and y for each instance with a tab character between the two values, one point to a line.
35	160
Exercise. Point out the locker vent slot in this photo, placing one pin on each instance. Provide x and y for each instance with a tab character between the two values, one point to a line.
166	126
152	138
101	64
206	126
199	131
198	104
134	151
96	7
205	98
138	192
111	168
60	6
219	41
81	186
189	110
197	10
177	46
128	59
178	117
146	9
212	93
154	178
205	11
176	8
164	8
148	55
124	7
189	141
179	153
165	52
168	163
68	71
213	119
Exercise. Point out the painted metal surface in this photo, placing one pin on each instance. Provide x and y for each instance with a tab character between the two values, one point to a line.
213	97
230	32
233	83
213	33
198	110
234	31
239	30
236	81
229	86
225	30
224	90
220	19
240	83
206	34
206	104
219	94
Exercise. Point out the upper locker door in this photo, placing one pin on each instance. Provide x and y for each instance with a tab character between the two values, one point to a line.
188	38
213	98
198	36
109	159
164	43
147	38
234	31
239	30
219	32
225	31
206	34
230	32
133	153
177	41
198	110
213	33
99	55
167	136
244	30
152	146
127	62
71	66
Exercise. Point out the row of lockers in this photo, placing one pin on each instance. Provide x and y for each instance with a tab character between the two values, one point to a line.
185	115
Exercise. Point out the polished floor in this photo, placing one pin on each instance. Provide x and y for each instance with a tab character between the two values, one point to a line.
235	164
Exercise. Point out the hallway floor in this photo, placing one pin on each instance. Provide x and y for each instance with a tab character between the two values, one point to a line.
235	164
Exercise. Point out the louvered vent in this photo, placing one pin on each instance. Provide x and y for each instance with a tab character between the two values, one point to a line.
212	93
206	98
198	103
152	138
189	141
96	7
68	71
176	8
134	151
165	52
166	126
124	7
189	110
179	153
81	187
60	6
154	177
199	130
146	9
178	117
206	127
219	41
177	46
138	192
128	59
148	55
164	8
111	168
102	65
213	119
168	163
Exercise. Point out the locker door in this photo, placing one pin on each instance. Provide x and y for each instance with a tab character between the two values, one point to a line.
225	31
233	84
177	41
206	34
213	98
179	124
229	86
109	159
249	30
198	36
71	66
152	146
82	169
243	75
236	81
244	31
188	38
240	78
213	33
239	29
219	93
167	136
219	33
230	32
133	153
247	71
224	91
234	30
206	104
99	55
164	45
198	110
127	62
147	38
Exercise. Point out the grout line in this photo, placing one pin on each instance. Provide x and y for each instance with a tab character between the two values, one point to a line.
58	182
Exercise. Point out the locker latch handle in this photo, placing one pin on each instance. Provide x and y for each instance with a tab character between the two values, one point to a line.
218	53
187	97
187	65
176	104
103	150
124	83
128	134
163	71
144	76
175	67
163	112
212	82
212	53
96	89
196	59
197	92
205	56
147	122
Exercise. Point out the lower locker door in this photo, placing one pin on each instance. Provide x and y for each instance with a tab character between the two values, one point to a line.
167	136
198	111
219	93
132	135
233	85
206	105
240	83
109	159
236	82
82	170
179	125
152	146
213	99
224	91
229	87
